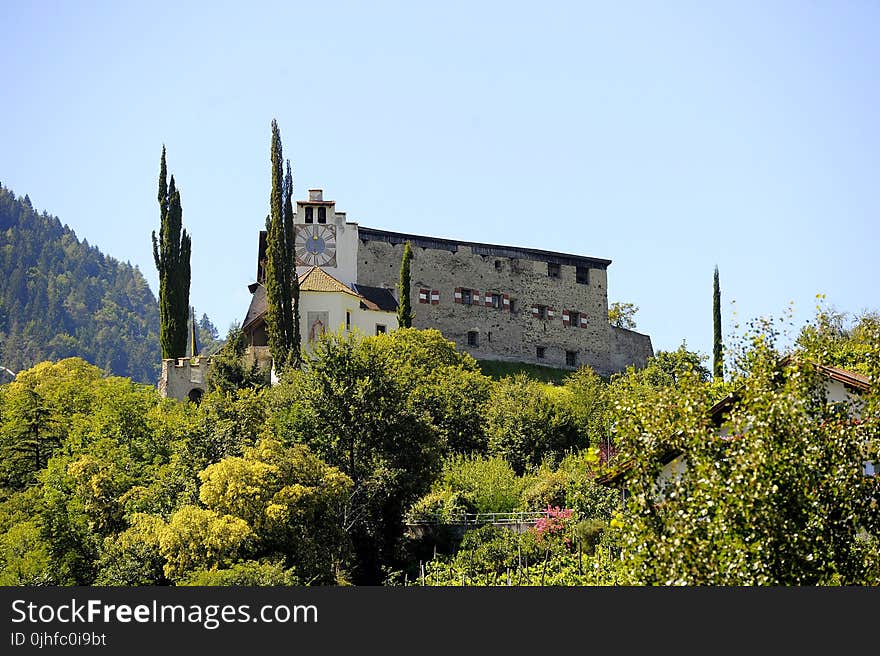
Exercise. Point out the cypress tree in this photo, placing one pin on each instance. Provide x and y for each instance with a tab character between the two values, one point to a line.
171	252
290	260
280	268
717	360
193	348
404	308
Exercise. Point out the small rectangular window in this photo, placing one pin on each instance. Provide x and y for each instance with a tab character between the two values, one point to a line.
380	329
498	265
552	270
347	320
309	215
513	306
497	301
571	358
467	296
574	318
322	215
539	352
473	338
582	275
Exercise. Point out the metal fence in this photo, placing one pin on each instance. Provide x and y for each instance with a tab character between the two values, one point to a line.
478	519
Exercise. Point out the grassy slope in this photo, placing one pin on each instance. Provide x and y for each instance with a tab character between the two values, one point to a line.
497	369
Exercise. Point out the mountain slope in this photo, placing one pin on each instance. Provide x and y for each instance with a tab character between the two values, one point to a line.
61	297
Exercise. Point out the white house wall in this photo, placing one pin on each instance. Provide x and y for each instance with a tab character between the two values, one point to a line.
335	304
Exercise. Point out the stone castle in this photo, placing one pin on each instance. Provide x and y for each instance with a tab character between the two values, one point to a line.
495	302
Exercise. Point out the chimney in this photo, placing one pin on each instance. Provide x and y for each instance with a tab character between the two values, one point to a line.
316	194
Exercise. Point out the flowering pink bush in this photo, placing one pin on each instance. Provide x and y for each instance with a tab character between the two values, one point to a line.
554	523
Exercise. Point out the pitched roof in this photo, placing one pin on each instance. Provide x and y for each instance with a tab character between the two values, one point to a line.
318	280
258	305
846	377
378	298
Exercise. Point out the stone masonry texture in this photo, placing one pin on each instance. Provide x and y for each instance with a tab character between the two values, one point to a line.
511	332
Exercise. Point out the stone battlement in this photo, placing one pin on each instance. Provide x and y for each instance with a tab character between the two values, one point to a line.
184	378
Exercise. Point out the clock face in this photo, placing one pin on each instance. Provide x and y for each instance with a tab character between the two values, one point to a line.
315	245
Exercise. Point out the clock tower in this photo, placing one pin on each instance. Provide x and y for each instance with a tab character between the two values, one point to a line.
323	238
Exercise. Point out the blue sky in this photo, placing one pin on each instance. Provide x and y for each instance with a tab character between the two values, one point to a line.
668	137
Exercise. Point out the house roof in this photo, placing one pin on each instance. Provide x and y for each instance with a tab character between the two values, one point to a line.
258	305
846	377
318	280
379	297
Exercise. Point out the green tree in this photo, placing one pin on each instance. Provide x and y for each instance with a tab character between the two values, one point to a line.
171	252
780	500
293	502
353	405
30	434
292	315
441	382
623	315
837	339
404	309
528	422
229	369
717	346
132	557
281	279
195	538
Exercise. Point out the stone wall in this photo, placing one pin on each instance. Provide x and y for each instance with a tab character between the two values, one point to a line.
511	332
184	378
630	347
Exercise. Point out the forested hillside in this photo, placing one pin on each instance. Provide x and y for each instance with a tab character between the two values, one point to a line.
61	297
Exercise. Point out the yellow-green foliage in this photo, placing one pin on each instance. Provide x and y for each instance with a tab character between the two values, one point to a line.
196	538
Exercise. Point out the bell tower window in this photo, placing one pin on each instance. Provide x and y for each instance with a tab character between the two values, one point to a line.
309	215
322	215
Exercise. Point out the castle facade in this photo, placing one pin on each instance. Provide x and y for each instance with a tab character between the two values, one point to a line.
495	302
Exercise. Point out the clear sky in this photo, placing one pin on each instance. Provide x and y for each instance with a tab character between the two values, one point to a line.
666	136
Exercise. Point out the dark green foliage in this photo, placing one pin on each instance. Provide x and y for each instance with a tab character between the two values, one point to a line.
229	370
358	405
171	252
717	347
282	286
404	309
292	311
60	297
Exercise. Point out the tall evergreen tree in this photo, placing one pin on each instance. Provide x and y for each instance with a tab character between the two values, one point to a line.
171	252
717	359
280	270
290	260
404	307
193	345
